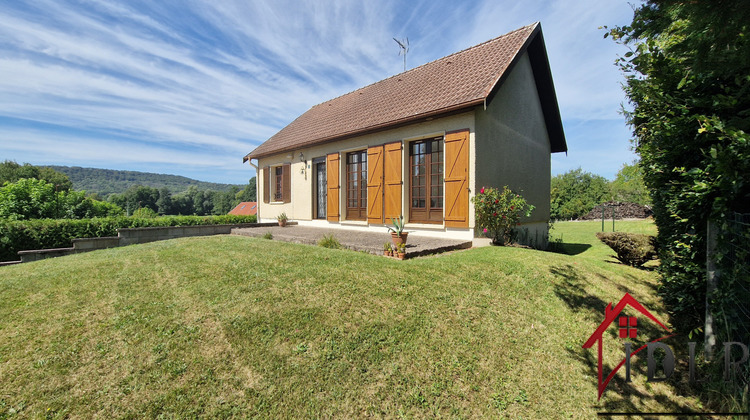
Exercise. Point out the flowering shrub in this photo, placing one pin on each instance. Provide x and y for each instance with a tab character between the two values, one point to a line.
499	212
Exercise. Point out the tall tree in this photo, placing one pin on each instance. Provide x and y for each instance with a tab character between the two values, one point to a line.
688	82
575	193
628	185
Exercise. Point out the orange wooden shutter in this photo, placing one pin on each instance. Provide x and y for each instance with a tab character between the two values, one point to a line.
266	185
457	179
332	175
375	184
392	180
286	183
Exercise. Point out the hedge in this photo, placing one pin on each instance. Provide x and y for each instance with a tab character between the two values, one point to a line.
633	249
59	233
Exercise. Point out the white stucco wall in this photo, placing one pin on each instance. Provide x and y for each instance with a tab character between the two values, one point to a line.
300	208
513	147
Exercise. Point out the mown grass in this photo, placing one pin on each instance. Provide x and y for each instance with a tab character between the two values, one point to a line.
241	327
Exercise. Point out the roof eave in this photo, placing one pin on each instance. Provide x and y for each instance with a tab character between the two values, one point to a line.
443	112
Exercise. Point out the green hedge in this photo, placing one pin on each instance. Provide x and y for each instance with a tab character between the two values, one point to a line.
59	233
633	249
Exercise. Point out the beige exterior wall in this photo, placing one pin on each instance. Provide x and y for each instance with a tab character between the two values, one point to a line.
513	147
508	145
302	182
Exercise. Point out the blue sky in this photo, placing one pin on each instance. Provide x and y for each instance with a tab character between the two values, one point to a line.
189	88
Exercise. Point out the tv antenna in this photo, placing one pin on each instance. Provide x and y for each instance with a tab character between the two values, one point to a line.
404	45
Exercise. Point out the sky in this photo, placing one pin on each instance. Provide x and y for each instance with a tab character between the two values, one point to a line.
190	87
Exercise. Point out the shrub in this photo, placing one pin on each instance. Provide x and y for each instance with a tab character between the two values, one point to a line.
632	248
145	213
57	233
499	212
267	235
330	241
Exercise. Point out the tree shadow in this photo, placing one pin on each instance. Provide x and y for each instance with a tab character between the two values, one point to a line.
623	395
572	290
568	248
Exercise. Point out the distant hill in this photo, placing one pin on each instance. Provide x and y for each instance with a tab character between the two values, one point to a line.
108	181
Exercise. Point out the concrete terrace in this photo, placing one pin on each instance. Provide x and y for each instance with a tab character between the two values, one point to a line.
371	242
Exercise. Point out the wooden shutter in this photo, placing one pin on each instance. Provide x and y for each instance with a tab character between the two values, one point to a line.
332	175
266	184
392	180
286	183
457	179
375	184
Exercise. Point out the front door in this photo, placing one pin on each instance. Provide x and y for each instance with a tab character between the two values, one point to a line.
321	190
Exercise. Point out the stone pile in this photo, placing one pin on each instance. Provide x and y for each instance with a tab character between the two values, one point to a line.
622	211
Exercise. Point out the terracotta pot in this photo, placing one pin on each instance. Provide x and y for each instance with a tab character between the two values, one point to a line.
282	223
387	253
397	239
401	255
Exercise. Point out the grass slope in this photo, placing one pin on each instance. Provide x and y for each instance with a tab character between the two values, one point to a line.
237	326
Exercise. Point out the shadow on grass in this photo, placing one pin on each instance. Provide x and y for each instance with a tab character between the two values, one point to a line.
622	396
568	248
573	292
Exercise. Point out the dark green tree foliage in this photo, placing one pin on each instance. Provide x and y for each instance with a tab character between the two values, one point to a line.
11	171
248	193
575	193
688	81
629	187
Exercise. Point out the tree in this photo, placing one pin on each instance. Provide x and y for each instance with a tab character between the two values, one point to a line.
11	171
688	82
628	185
164	203
248	193
575	193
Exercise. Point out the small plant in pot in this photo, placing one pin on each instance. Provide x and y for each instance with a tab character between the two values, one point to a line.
282	219
387	249
401	250
397	231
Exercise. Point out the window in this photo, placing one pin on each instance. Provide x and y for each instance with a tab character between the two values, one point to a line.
426	175
356	185
277	183
278	192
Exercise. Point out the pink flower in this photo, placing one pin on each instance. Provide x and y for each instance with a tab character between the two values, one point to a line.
484	230
481	191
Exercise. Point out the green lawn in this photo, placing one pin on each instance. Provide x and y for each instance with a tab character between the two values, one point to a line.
237	326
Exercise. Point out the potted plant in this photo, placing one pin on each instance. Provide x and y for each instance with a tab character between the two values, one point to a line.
282	219
401	250
387	249
397	231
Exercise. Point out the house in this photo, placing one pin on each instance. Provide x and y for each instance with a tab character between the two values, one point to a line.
421	144
245	208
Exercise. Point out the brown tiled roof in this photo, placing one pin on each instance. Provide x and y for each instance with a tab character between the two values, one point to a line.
456	82
245	208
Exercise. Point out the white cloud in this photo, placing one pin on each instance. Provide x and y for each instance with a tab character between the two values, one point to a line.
212	80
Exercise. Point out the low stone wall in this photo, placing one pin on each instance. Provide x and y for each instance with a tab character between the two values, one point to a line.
130	236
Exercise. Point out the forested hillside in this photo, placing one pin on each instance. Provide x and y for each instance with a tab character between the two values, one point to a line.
108	181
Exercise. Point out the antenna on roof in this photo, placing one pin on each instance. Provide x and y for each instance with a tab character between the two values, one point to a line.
404	45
